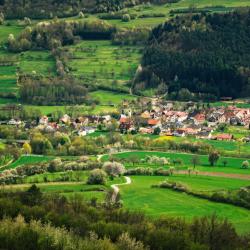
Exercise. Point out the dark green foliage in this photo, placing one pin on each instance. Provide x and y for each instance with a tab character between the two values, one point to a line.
206	54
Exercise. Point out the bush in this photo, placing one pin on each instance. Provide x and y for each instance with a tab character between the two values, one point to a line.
245	164
97	176
126	18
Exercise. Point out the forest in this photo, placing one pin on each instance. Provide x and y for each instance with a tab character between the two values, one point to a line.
204	54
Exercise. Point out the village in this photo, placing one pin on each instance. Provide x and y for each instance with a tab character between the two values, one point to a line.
152	118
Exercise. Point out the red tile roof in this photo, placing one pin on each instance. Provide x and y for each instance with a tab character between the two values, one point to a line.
153	122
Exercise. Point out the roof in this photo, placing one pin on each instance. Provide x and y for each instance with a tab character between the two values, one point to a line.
123	120
224	136
153	122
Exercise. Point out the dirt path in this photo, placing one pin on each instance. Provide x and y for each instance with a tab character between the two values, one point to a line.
116	189
218	174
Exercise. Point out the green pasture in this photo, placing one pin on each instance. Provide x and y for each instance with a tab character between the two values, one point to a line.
233	164
29	159
39	62
227	146
5	30
97	109
208	183
108	97
158	202
105	64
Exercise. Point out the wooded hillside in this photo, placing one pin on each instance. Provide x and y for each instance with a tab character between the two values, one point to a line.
206	54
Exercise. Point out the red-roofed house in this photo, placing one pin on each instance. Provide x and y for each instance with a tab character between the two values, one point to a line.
224	137
153	122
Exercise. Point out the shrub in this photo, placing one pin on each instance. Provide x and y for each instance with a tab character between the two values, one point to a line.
97	176
245	164
126	18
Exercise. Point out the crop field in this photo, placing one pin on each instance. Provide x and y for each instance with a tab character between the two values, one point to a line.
105	64
233	164
157	202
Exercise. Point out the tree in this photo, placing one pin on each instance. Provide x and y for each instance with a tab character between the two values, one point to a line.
97	176
27	148
133	159
33	196
224	163
113	168
171	170
157	131
213	157
195	160
125	242
245	164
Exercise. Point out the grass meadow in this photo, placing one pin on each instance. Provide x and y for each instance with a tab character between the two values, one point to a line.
104	64
141	196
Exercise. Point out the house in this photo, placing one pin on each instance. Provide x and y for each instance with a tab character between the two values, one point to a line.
65	119
199	118
44	120
125	124
14	122
146	115
146	130
153	122
224	137
86	130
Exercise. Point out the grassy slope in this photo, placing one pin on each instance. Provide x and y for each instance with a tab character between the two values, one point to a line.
28	160
156	202
233	165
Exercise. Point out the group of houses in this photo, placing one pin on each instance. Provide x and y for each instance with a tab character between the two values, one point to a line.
161	119
198	123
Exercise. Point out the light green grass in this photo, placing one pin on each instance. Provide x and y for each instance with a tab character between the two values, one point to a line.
208	183
39	61
28	159
6	30
108	97
156	202
101	63
233	164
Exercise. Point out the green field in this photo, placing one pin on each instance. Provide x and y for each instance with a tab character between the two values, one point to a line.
28	159
110	98
156	202
104	64
226	146
233	164
39	62
6	30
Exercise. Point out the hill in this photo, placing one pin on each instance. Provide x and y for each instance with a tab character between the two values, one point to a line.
205	54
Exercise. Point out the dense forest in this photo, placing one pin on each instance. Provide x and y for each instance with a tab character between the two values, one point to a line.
31	220
206	54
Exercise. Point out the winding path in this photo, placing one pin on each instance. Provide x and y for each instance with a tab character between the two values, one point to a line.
116	189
